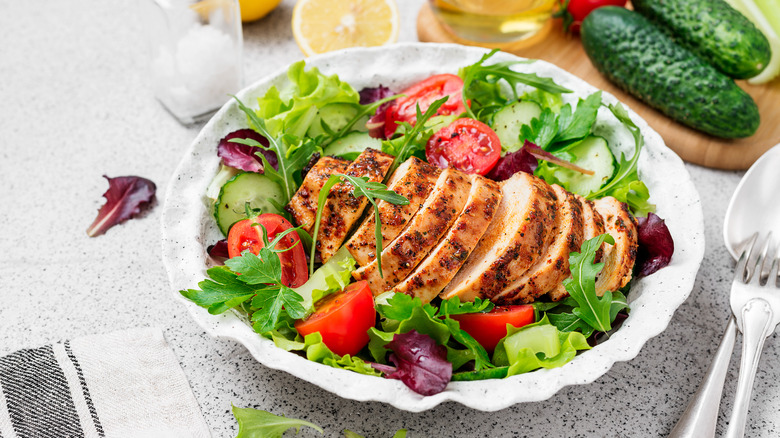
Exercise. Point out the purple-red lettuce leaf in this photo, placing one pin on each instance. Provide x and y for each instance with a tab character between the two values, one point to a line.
242	156
655	245
125	197
420	363
376	123
219	251
513	162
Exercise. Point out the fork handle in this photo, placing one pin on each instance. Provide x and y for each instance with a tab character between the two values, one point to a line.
701	415
756	321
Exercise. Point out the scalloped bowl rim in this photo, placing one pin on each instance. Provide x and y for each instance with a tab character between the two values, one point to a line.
186	231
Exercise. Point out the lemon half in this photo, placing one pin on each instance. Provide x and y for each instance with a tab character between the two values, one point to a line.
321	26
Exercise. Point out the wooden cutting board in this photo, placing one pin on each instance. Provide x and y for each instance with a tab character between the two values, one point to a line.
566	52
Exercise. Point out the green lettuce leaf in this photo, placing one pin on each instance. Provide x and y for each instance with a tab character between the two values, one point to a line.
292	110
537	345
332	276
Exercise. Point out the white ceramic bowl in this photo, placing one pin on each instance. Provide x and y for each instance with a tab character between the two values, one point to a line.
188	229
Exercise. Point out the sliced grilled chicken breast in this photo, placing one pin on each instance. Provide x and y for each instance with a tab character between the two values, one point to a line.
303	205
593	225
512	243
422	233
553	267
342	210
444	261
413	179
619	258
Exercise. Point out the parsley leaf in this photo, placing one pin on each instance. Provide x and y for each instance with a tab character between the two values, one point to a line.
222	292
257	269
594	310
577	125
540	131
269	303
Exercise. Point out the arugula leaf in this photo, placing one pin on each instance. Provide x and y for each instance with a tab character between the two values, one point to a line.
626	184
482	89
594	310
256	423
290	162
222	292
361	186
413	138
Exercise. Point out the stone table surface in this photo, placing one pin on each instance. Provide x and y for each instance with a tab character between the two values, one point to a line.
76	103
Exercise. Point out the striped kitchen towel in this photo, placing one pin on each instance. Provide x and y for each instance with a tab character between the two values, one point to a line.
123	384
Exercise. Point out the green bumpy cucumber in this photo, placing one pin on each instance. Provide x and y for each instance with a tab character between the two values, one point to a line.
635	55
714	31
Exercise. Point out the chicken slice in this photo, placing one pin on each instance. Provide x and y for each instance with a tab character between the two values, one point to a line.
414	180
422	233
342	210
618	258
512	243
593	226
553	267
444	261
303	205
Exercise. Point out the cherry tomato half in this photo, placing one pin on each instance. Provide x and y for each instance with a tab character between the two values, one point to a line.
488	328
465	144
424	93
343	319
579	9
244	236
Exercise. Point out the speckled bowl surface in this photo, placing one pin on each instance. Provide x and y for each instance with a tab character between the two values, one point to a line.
188	228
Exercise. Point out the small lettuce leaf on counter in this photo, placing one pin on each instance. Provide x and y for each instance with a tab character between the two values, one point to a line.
656	245
256	423
420	363
537	345
401	433
125	197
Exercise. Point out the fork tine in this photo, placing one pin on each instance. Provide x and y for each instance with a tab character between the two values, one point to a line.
743	269
774	279
764	264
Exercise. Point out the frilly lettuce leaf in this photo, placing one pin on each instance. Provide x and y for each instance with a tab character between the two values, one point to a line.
293	109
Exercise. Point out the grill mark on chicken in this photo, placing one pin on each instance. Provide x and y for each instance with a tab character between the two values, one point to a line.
593	225
303	205
422	233
553	267
414	180
619	258
512	242
342	210
443	262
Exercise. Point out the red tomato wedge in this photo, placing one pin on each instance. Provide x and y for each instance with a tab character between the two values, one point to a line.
465	144
343	319
579	9
488	328
244	236
424	93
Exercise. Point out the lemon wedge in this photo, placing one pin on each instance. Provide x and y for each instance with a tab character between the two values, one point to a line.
321	26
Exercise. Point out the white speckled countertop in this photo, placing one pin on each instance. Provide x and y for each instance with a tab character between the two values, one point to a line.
75	103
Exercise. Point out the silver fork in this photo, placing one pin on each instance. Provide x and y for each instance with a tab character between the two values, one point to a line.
755	302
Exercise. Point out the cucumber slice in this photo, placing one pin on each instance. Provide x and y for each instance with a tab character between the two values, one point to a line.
336	116
508	120
255	188
594	154
354	142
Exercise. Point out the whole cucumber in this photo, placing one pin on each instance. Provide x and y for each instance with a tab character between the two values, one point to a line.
714	31
635	55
